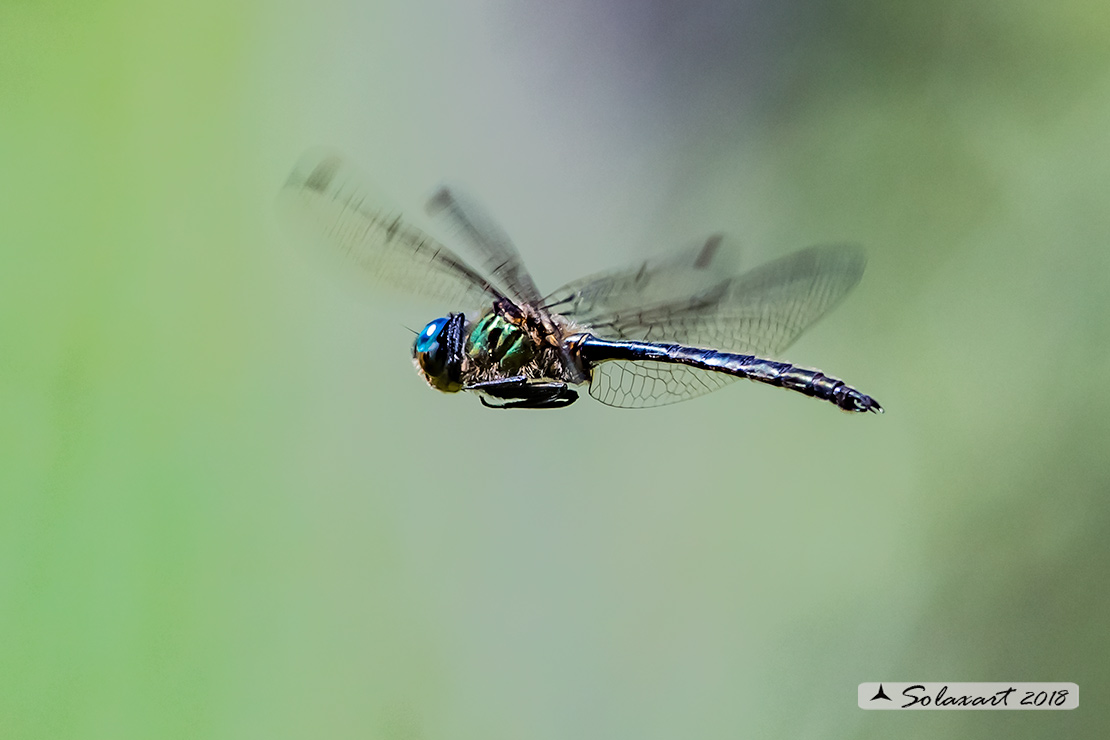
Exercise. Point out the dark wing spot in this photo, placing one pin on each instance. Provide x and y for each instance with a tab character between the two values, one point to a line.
392	229
440	200
322	175
705	256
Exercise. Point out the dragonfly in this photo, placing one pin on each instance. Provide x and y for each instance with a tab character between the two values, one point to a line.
657	333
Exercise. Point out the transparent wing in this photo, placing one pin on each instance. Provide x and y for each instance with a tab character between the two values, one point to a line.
596	298
641	385
327	202
761	312
498	257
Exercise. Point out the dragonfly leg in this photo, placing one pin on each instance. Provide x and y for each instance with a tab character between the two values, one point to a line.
499	384
518	392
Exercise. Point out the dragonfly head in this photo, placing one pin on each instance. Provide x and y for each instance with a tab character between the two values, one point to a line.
438	353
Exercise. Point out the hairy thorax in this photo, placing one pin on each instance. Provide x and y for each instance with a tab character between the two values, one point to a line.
506	341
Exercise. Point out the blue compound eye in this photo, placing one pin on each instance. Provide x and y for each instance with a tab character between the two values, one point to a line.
428	339
429	351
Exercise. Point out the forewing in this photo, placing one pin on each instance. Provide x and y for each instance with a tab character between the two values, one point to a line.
596	298
497	256
328	203
761	312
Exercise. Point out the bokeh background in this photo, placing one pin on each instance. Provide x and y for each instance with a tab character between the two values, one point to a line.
230	509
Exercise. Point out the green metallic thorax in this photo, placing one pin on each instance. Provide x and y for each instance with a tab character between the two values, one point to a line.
496	341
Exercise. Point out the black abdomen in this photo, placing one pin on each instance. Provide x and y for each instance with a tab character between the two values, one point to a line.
809	382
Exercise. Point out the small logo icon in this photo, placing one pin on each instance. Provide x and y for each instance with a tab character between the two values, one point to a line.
880	694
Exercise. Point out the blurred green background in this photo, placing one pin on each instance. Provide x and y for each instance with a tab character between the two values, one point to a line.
230	508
